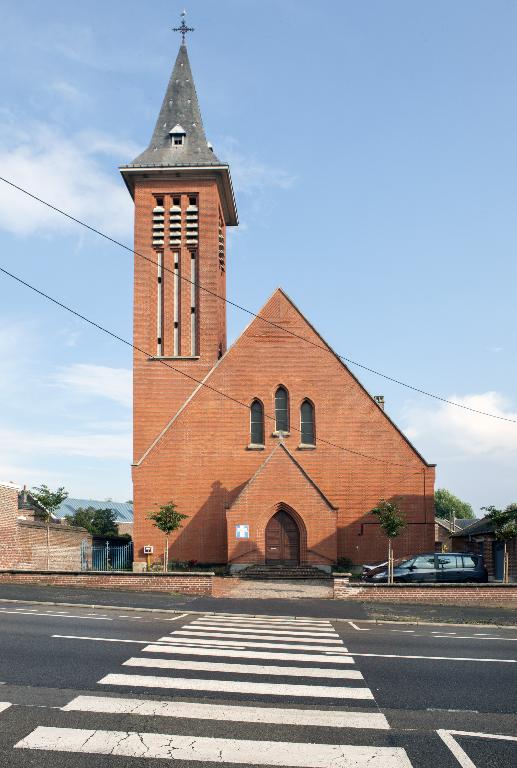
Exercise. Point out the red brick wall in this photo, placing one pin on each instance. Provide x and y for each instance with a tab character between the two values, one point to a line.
202	462
182	583
493	595
23	543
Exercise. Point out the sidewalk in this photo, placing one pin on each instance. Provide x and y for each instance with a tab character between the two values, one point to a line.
315	608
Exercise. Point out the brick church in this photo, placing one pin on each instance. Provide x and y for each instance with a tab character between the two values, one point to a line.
271	447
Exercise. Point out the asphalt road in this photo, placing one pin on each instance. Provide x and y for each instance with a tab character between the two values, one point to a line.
235	690
316	608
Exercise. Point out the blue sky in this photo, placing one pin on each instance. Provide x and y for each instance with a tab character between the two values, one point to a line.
373	152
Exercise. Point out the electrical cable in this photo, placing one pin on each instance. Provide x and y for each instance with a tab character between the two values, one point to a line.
345	359
177	370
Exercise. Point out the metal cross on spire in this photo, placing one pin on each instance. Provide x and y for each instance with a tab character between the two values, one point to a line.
183	29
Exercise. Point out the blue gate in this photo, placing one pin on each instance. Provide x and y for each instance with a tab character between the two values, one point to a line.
106	557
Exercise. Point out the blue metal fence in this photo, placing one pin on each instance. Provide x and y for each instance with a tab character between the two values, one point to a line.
106	557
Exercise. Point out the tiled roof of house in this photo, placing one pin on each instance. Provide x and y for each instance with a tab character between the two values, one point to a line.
123	510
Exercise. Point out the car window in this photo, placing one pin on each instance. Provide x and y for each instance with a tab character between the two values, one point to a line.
446	562
469	561
424	562
406	563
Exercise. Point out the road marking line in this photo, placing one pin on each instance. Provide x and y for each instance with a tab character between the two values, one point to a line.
244	669
461	756
226	712
473	637
198	643
175	618
245	654
216	629
432	658
203	749
187	633
359	629
48	614
405	631
4	705
230	686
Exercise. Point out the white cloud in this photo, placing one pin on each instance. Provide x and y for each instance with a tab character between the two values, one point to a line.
99	445
249	174
97	381
451	429
68	172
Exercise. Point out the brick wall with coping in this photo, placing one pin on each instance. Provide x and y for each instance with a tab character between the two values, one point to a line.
23	540
492	595
192	583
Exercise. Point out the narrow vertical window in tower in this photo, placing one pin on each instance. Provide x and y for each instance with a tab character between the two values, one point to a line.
159	306
176	307
175	222
221	242
158	223
193	303
192	223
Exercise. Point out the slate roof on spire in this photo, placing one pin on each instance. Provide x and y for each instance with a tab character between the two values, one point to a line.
180	107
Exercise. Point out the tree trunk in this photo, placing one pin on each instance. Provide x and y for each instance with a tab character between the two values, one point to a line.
166	554
48	547
506	575
390	562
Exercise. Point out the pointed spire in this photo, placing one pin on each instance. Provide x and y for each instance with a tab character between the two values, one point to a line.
180	110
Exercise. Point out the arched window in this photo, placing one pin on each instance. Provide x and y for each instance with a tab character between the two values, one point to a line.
281	410
257	423
307	423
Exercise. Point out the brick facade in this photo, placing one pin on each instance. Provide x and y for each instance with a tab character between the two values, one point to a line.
203	460
192	445
23	539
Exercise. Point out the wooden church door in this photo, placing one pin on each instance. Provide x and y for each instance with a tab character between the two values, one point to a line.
282	540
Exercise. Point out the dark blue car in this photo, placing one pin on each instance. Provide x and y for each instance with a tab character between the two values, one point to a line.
452	567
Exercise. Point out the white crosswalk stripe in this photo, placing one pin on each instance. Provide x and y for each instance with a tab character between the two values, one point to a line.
218	643
239	714
162	745
245	669
232	653
234	649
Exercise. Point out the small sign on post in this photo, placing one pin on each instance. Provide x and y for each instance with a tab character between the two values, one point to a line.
148	550
242	531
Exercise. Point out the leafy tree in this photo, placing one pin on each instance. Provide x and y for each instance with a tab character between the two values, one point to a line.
98	522
448	506
49	501
392	521
167	520
505	528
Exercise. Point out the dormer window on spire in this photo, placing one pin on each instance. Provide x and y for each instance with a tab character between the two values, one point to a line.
177	136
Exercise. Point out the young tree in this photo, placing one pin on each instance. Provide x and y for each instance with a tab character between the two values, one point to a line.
392	522
98	522
448	506
167	520
49	501
505	528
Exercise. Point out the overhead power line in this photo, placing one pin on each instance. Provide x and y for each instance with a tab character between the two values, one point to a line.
326	349
114	335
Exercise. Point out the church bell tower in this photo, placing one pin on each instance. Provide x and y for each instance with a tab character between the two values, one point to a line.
184	201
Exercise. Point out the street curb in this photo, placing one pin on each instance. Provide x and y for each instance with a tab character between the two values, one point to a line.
414	622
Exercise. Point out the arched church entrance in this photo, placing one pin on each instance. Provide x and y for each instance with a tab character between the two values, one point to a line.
282	540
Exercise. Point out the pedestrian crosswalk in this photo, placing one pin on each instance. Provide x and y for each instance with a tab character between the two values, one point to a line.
231	689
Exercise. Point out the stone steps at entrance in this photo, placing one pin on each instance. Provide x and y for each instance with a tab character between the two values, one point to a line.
274	572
